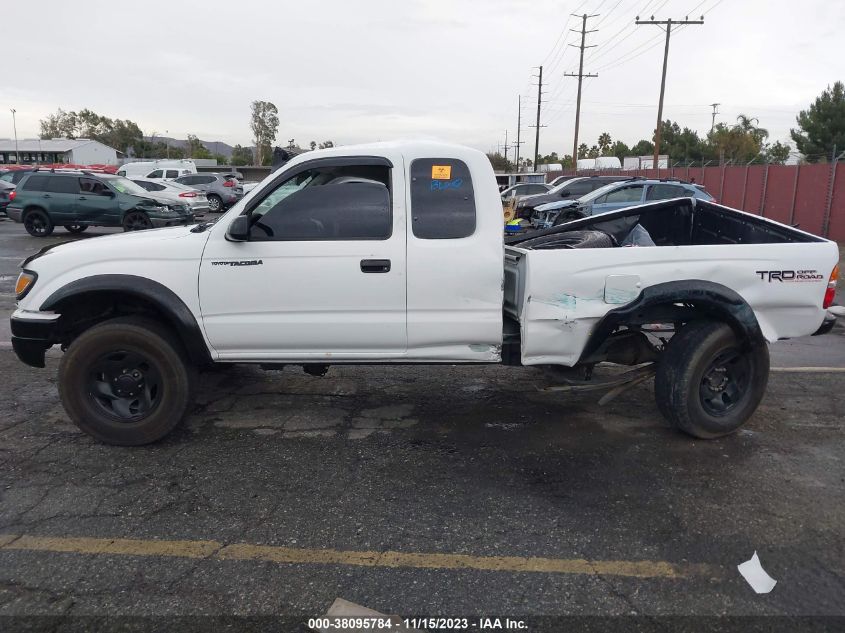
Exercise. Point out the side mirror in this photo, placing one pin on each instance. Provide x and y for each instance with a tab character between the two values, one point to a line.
238	230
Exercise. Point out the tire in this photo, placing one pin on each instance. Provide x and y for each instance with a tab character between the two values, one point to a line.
136	221
37	223
76	229
707	384
126	381
587	238
215	203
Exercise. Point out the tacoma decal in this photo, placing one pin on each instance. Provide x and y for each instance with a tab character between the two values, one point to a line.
790	275
242	262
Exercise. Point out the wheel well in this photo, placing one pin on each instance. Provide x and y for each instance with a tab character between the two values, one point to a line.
678	303
32	207
80	310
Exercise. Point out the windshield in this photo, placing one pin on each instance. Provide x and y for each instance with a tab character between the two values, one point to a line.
564	184
124	185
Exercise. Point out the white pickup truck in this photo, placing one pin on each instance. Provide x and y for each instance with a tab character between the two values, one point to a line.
393	253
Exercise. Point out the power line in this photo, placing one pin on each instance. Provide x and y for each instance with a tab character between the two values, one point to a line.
580	76
668	24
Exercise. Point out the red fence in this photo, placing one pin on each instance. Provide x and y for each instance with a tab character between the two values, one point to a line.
810	196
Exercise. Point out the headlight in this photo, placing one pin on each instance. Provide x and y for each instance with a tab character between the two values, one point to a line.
24	283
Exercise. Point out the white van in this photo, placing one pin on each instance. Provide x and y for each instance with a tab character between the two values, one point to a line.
163	169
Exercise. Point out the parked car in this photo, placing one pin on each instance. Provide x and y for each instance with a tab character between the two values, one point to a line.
524	189
617	195
13	176
221	190
562	179
79	199
392	253
158	169
175	192
568	190
6	189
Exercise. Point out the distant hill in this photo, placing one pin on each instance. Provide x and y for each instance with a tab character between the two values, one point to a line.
215	147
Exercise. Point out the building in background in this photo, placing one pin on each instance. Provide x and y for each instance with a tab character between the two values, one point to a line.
77	151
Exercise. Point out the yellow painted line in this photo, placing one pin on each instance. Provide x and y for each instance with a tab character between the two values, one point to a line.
809	370
388	559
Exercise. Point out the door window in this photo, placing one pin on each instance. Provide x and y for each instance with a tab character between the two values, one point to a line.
665	192
172	173
155	174
202	180
63	184
626	194
36	183
442	199
349	202
89	185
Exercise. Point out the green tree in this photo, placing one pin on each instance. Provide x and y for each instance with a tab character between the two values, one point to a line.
777	153
548	159
326	144
312	145
643	148
195	149
620	150
594	152
583	150
821	127
264	123
604	143
122	135
499	162
740	143
241	156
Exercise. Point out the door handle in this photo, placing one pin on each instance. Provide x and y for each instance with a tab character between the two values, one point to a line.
46	195
375	265
82	198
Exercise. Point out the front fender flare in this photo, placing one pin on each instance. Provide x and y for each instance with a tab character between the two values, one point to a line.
166	301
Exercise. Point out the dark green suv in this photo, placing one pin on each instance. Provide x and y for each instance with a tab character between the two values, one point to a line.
79	199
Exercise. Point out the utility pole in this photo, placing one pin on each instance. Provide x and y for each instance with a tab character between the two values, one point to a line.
668	24
580	76
506	146
538	126
715	112
15	126
518	130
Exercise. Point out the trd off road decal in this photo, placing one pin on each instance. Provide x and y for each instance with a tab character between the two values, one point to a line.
243	262
790	275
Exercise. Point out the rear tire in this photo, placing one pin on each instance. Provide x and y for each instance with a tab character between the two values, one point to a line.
37	223
76	229
126	381
215	203
707	384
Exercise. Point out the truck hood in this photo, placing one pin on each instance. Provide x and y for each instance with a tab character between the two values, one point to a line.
127	245
560	204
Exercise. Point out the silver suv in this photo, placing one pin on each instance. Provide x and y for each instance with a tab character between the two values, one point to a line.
221	190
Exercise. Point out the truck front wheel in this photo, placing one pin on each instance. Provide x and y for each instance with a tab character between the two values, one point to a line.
707	383
125	381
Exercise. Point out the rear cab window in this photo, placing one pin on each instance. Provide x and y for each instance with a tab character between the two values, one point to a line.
442	199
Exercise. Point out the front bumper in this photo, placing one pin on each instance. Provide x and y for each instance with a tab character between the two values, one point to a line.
827	324
31	338
173	220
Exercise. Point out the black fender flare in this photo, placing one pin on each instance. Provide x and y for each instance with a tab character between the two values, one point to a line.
179	316
710	298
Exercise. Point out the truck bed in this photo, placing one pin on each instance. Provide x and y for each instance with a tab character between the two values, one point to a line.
558	291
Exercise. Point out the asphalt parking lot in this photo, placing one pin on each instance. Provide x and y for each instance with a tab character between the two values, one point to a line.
448	491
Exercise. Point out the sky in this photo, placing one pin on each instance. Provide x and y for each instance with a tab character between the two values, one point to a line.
366	70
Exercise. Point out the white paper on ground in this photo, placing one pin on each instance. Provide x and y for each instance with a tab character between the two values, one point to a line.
756	576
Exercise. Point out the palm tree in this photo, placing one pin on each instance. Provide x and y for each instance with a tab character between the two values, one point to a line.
749	125
582	150
604	142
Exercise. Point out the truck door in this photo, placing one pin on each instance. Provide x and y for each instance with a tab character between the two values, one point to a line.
322	275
